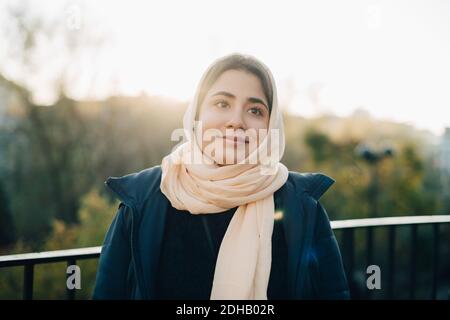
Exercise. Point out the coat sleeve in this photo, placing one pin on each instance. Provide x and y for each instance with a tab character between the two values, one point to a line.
332	281
115	257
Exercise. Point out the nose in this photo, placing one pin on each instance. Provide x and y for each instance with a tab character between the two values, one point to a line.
236	120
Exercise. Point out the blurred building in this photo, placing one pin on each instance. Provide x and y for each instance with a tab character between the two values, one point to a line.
445	152
445	169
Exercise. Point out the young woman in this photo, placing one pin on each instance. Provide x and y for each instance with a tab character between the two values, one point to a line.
222	217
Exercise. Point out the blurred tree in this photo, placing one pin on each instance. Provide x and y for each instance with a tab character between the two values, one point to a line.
7	231
320	145
48	150
407	183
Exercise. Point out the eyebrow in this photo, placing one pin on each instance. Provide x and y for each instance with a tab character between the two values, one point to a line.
250	99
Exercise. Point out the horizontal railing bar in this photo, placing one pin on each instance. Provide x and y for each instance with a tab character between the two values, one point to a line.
94	252
390	221
49	256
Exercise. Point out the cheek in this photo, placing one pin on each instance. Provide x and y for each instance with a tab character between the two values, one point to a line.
258	125
209	120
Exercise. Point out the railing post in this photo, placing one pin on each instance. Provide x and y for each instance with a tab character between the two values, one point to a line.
435	259
28	276
412	262
369	243
348	235
70	292
391	261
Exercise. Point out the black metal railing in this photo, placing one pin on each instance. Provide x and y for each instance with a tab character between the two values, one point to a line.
347	227
29	260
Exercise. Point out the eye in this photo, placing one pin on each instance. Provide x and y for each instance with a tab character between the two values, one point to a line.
221	104
257	111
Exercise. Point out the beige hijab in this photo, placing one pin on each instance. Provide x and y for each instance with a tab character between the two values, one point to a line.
203	187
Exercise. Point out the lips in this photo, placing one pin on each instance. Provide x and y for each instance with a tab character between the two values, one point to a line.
236	139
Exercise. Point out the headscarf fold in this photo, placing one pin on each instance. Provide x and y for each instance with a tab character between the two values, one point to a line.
203	187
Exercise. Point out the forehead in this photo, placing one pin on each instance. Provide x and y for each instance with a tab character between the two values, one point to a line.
239	83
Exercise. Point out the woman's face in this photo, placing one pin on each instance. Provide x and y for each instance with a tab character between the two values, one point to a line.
237	108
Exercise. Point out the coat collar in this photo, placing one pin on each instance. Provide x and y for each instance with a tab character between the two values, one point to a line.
140	191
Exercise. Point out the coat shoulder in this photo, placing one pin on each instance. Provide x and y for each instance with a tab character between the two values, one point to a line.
313	183
134	188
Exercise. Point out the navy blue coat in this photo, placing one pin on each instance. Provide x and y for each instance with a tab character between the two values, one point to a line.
129	257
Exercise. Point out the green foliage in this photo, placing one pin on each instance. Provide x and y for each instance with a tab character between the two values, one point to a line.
408	182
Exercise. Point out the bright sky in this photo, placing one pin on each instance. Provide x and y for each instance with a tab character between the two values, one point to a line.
389	57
